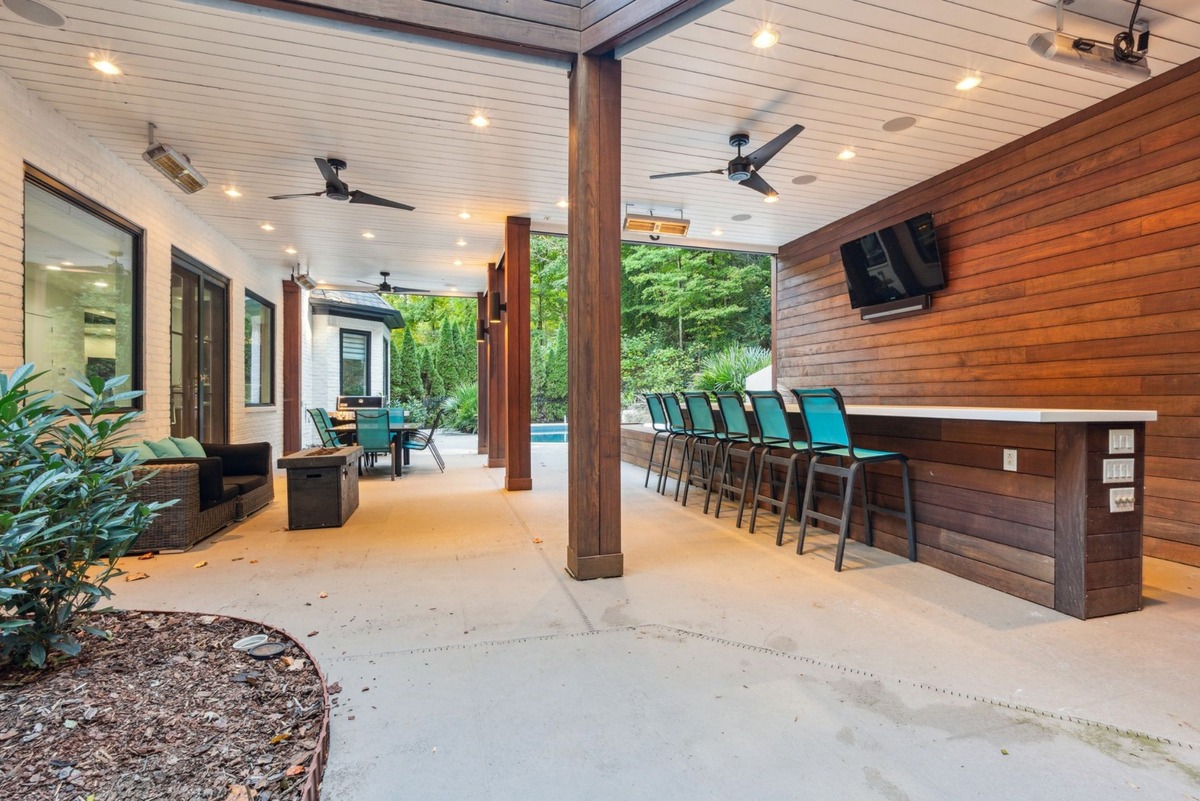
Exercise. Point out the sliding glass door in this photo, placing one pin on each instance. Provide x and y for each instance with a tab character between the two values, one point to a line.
199	351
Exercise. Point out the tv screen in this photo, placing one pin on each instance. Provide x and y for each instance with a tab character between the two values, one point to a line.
894	263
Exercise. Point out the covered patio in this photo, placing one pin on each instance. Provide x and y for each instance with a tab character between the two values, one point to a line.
472	666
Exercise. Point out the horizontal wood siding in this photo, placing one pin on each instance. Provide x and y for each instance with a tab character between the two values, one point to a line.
1072	260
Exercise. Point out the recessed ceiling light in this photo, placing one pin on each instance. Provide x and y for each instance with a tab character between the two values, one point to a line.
740	217
53	267
35	12
969	82
100	284
452	287
461	243
562	204
68	264
289	250
267	227
717	232
462	215
458	262
105	66
771	199
765	38
847	154
479	120
232	192
368	235
801	180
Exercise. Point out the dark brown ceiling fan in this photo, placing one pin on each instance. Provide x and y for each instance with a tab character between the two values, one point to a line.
384	288
744	169
336	188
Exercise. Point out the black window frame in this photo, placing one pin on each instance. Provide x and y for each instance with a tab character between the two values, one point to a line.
259	299
342	361
70	194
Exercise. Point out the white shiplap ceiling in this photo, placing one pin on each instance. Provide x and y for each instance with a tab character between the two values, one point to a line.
253	98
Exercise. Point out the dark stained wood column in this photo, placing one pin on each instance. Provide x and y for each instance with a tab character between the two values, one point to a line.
293	327
497	429
594	320
517	466
481	370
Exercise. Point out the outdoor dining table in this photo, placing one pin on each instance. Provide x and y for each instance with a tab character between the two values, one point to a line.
399	432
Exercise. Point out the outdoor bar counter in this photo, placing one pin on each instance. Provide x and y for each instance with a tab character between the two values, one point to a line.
1053	531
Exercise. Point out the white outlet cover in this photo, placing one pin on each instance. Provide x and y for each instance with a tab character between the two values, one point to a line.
1010	459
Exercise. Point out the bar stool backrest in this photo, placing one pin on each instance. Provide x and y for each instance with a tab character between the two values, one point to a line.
733	410
658	418
674	412
772	416
699	407
824	415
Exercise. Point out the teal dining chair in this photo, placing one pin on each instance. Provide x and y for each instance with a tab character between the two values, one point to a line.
374	436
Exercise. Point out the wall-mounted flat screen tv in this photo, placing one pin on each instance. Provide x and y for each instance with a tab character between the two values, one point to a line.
894	263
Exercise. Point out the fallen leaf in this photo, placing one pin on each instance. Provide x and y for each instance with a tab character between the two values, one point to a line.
349	717
254	561
70	724
1004	751
145	556
323	595
136	576
200	564
279	738
237	559
366	689
334	689
294	770
313	633
206	620
537	539
238	792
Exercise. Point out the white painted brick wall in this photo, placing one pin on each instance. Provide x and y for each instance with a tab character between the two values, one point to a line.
31	131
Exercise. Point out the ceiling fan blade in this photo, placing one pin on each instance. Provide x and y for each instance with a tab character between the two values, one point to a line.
286	197
760	157
682	174
330	175
358	196
756	182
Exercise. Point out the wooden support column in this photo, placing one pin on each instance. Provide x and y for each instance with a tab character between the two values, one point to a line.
497	429
293	384
517	465
481	370
594	320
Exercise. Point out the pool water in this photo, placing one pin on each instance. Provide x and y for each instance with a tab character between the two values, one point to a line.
548	432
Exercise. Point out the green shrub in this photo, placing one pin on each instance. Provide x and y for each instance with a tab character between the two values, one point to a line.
65	511
462	408
727	370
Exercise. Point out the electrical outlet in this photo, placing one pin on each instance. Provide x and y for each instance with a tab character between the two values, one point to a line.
1010	459
1120	499
1120	440
1118	471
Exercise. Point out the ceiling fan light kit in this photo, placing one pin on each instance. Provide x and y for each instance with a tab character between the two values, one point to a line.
173	164
744	170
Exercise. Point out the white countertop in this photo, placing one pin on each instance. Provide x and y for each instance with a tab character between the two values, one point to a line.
1007	415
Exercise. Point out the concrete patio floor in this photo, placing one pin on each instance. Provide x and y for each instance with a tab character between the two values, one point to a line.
718	667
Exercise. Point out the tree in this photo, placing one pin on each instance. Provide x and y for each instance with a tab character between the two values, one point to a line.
556	366
547	282
395	365
410	369
447	359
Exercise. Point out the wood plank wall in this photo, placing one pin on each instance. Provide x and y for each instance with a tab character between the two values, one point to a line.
1073	280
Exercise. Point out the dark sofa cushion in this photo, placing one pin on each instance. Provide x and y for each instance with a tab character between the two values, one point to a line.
249	459
244	484
228	493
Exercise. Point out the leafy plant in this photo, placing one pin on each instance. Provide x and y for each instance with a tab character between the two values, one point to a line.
727	370
66	514
462	408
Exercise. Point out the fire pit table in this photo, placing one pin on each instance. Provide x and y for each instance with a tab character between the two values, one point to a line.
322	486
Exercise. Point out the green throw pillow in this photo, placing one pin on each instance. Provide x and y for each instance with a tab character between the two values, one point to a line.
164	448
142	450
189	447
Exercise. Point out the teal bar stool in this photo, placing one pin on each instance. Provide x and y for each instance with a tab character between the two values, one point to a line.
732	407
824	415
678	428
706	443
658	421
775	434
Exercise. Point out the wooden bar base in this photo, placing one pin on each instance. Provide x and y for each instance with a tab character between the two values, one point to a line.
586	568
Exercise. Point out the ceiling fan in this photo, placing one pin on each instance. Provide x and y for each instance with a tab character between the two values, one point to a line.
336	188
384	288
744	169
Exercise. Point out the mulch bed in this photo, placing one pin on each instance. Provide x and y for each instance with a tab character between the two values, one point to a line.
165	710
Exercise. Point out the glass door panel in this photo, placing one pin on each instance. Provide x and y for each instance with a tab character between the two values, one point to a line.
199	355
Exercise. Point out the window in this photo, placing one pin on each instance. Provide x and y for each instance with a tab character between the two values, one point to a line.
82	273
356	363
260	351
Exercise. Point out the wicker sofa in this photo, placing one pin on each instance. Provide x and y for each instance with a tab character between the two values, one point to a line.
228	484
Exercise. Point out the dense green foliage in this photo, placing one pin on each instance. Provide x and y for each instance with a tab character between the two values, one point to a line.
66	514
727	370
462	408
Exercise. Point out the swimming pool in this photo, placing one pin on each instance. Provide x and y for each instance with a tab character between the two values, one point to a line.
548	432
